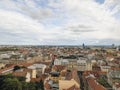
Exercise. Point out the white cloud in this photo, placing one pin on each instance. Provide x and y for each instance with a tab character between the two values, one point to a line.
59	21
90	13
15	26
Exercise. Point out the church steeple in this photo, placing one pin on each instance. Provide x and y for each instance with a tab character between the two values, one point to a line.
83	46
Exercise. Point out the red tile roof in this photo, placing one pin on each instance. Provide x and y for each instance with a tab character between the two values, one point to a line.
19	73
72	75
95	73
35	79
59	67
26	64
94	84
12	66
6	68
47	70
27	70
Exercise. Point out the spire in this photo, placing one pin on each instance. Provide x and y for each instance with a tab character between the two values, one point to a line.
83	46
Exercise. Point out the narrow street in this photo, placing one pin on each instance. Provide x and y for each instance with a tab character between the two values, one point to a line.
81	80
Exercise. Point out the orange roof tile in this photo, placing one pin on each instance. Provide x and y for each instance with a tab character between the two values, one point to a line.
35	79
59	67
95	85
47	70
6	68
19	73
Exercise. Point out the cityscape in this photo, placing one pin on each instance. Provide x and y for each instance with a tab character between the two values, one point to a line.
60	67
59	45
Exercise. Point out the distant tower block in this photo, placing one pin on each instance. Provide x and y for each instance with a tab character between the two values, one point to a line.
113	45
83	46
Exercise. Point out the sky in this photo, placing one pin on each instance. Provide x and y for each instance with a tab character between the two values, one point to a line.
59	22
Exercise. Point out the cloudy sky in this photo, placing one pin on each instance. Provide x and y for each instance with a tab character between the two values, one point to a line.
59	22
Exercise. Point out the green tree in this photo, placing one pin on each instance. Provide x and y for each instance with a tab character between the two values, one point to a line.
11	84
39	85
31	86
25	86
